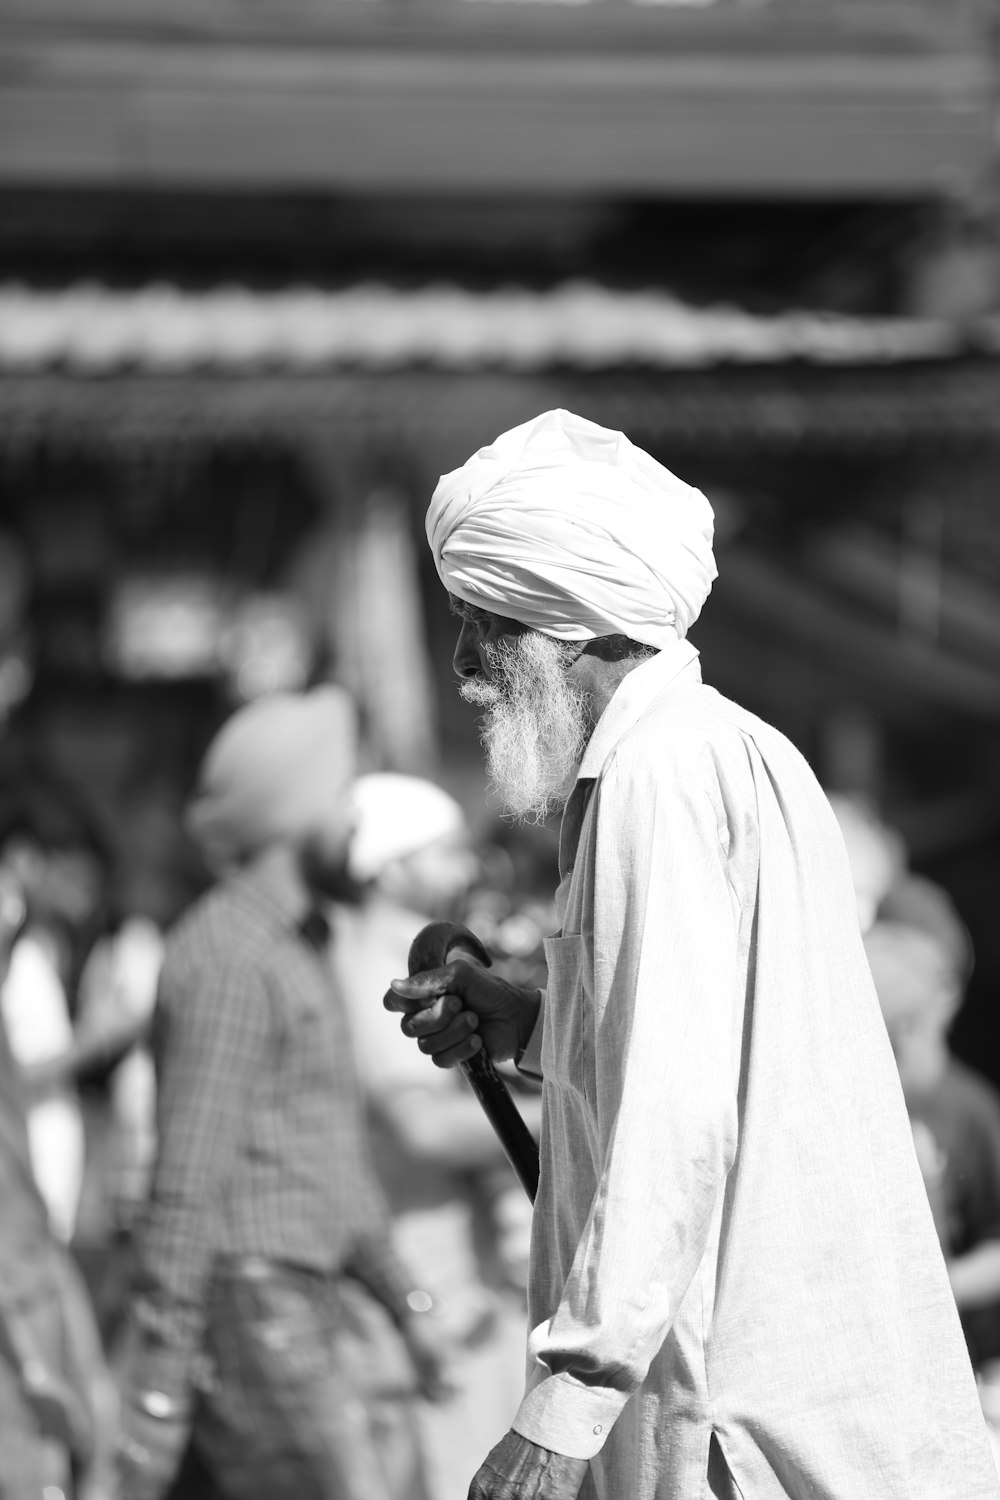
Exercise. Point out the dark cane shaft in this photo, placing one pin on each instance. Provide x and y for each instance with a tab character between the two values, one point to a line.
438	944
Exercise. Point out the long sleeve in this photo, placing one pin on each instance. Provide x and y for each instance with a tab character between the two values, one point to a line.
656	1056
530	1061
211	1047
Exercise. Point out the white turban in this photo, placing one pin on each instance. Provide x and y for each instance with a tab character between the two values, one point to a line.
571	529
396	815
272	771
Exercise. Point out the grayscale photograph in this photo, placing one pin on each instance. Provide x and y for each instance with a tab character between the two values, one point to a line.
499	750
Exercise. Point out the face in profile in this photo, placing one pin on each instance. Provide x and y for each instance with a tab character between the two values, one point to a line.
918	994
433	879
914	1028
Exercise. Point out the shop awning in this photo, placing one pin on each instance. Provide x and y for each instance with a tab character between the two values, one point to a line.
96	364
98	330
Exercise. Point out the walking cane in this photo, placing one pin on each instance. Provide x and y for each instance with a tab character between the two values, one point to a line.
434	946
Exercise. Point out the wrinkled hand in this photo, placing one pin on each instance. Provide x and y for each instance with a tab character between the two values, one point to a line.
150	1450
457	1009
519	1470
431	1353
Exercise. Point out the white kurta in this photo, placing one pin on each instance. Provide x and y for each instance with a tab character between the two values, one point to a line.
731	1234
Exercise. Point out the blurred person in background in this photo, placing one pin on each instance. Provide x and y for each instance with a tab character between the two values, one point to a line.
954	1113
511	906
460	1217
156	874
117	997
263	1198
736	1288
57	1404
76	1002
61	876
885	886
920	955
876	852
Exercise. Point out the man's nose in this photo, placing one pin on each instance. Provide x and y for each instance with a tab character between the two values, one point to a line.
466	659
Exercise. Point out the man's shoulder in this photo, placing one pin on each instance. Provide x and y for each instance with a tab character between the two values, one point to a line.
700	723
214	932
694	725
203	913
699	739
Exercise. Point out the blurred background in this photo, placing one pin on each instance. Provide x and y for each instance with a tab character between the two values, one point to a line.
267	270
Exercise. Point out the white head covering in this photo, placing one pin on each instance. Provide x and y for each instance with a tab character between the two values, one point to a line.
876	853
272	771
571	529
396	815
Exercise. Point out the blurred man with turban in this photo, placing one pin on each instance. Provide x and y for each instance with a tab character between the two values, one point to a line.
263	1197
736	1288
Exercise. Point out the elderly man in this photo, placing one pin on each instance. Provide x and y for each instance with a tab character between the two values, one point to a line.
736	1289
263	1195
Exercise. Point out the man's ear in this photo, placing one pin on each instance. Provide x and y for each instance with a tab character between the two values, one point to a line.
615	648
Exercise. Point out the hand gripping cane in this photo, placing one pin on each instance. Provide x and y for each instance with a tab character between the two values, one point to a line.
434	946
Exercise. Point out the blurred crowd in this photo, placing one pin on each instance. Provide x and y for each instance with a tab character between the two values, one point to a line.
83	935
99	1121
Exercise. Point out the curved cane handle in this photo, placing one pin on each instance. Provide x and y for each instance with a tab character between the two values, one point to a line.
434	946
439	942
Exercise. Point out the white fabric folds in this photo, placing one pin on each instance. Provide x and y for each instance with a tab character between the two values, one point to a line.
570	528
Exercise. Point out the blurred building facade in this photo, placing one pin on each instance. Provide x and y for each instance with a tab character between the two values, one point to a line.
267	270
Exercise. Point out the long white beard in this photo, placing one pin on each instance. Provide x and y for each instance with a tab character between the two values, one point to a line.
535	728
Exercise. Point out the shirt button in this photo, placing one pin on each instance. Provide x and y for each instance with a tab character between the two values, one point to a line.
598	1429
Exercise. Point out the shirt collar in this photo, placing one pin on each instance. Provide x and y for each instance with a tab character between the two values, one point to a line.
275	905
675	664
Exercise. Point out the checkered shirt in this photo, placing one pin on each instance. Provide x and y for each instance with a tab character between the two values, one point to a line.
262	1143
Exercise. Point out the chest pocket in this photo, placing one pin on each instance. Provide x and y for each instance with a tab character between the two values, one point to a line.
568	1038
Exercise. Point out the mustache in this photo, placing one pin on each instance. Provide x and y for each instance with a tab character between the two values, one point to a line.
481	692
